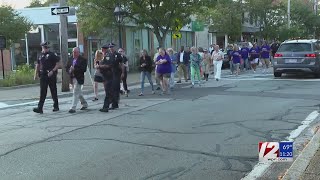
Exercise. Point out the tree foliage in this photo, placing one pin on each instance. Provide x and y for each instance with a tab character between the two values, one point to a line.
223	16
13	26
269	15
157	15
39	3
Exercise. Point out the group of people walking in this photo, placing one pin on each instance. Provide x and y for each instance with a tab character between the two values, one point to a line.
248	58
112	66
109	64
191	63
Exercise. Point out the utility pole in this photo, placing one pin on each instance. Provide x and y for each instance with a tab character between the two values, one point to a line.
27	47
315	7
63	29
289	6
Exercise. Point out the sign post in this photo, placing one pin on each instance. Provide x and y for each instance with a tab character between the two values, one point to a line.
60	10
177	27
63	12
2	46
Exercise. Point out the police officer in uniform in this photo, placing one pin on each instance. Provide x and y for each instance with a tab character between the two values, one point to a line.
113	70
47	70
118	74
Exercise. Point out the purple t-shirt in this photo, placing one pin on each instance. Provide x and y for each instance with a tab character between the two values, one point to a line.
166	67
265	51
236	55
245	52
254	52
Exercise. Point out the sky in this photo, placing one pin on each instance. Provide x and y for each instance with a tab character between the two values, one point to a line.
16	4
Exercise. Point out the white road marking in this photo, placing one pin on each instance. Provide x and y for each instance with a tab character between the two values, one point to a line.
259	169
20	104
294	134
3	105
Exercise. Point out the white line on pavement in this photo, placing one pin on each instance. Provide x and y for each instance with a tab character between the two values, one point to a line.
20	104
259	169
294	134
3	105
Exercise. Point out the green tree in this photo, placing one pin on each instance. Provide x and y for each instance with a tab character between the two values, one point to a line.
223	16
304	18
35	3
39	3
157	15
13	26
270	15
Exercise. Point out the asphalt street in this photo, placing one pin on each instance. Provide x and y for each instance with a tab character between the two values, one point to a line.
207	132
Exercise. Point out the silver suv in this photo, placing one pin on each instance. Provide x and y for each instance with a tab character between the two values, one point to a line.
296	56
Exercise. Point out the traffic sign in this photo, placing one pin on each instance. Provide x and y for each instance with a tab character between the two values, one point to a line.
177	25
197	26
177	28
60	10
177	35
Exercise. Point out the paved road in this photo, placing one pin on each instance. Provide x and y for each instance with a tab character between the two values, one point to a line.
207	132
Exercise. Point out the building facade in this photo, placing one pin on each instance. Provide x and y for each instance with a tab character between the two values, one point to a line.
47	29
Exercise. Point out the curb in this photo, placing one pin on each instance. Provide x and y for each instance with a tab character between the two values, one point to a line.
20	86
299	166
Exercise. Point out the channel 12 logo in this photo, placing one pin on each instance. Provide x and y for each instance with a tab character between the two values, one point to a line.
275	151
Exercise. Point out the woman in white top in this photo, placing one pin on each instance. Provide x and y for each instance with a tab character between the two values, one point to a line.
217	57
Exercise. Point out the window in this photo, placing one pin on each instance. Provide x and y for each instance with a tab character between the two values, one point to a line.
295	47
317	46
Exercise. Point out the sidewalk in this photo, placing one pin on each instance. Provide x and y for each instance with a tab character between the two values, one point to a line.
307	165
309	160
313	170
32	92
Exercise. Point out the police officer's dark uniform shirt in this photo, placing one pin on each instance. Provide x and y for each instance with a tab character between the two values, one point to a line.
47	62
124	59
107	72
114	60
117	70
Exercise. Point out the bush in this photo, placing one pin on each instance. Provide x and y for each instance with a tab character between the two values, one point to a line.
23	75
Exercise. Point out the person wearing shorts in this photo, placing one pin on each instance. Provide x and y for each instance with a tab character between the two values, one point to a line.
265	56
254	57
163	63
236	59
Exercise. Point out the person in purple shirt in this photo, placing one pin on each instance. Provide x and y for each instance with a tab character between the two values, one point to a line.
254	57
265	56
236	59
245	55
164	69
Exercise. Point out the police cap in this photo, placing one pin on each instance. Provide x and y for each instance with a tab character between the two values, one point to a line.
111	45
45	44
106	46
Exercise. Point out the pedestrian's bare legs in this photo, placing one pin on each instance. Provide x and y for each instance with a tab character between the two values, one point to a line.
95	90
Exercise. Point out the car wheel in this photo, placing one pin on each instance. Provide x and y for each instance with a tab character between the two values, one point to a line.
277	74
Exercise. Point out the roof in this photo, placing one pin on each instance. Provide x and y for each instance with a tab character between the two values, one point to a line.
42	15
301	41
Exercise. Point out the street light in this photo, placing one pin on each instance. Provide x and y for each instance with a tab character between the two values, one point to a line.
119	14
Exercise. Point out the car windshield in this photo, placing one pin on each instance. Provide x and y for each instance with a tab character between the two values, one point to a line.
295	47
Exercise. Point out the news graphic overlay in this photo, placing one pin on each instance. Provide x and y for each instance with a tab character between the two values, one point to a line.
275	151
